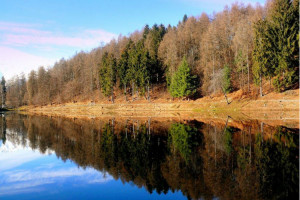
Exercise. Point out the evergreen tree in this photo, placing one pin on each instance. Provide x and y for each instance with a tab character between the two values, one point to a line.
263	62
227	79
183	83
144	72
139	68
146	31
185	18
276	45
124	66
133	63
3	92
152	43
283	35
108	75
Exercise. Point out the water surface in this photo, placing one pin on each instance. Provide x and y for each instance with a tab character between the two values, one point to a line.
60	158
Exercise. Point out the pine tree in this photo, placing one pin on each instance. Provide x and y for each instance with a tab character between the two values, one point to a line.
3	92
108	75
183	83
276	45
123	67
263	62
152	43
185	18
227	79
283	32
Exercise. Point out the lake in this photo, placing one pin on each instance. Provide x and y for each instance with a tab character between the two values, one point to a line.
45	157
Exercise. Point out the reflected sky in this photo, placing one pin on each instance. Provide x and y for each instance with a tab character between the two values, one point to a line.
60	158
29	174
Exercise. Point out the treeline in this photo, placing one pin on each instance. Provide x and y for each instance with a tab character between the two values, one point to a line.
200	56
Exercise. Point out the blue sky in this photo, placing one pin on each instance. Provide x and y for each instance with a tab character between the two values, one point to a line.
35	32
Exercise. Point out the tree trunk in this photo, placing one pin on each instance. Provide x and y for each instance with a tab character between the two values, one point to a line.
225	96
250	143
149	126
125	92
214	75
215	134
126	127
148	94
226	124
243	84
262	131
248	69
132	89
260	85
2	98
112	95
112	125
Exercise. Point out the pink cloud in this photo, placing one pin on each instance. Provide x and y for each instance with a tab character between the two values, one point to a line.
16	40
15	34
21	28
220	2
90	38
14	62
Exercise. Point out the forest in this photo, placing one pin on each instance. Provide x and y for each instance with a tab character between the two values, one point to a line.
239	48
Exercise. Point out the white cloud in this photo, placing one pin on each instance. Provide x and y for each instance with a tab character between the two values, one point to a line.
218	5
14	34
87	38
24	47
14	62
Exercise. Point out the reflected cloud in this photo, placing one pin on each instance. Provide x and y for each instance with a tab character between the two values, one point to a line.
24	170
12	156
29	175
36	179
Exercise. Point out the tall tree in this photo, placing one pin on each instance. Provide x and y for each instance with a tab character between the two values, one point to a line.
43	86
3	92
226	86
262	60
152	42
108	75
123	66
183	83
32	86
283	35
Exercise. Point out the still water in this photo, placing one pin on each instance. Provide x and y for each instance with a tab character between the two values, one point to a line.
61	158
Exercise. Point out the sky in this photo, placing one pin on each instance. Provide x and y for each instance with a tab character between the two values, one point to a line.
36	33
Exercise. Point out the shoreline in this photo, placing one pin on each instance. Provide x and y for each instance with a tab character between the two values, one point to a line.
282	110
273	106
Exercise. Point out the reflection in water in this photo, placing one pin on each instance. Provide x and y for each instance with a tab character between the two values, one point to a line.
202	160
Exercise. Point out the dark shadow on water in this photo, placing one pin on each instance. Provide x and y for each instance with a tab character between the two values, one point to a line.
202	160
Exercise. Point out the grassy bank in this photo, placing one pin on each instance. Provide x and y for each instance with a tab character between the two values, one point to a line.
272	106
